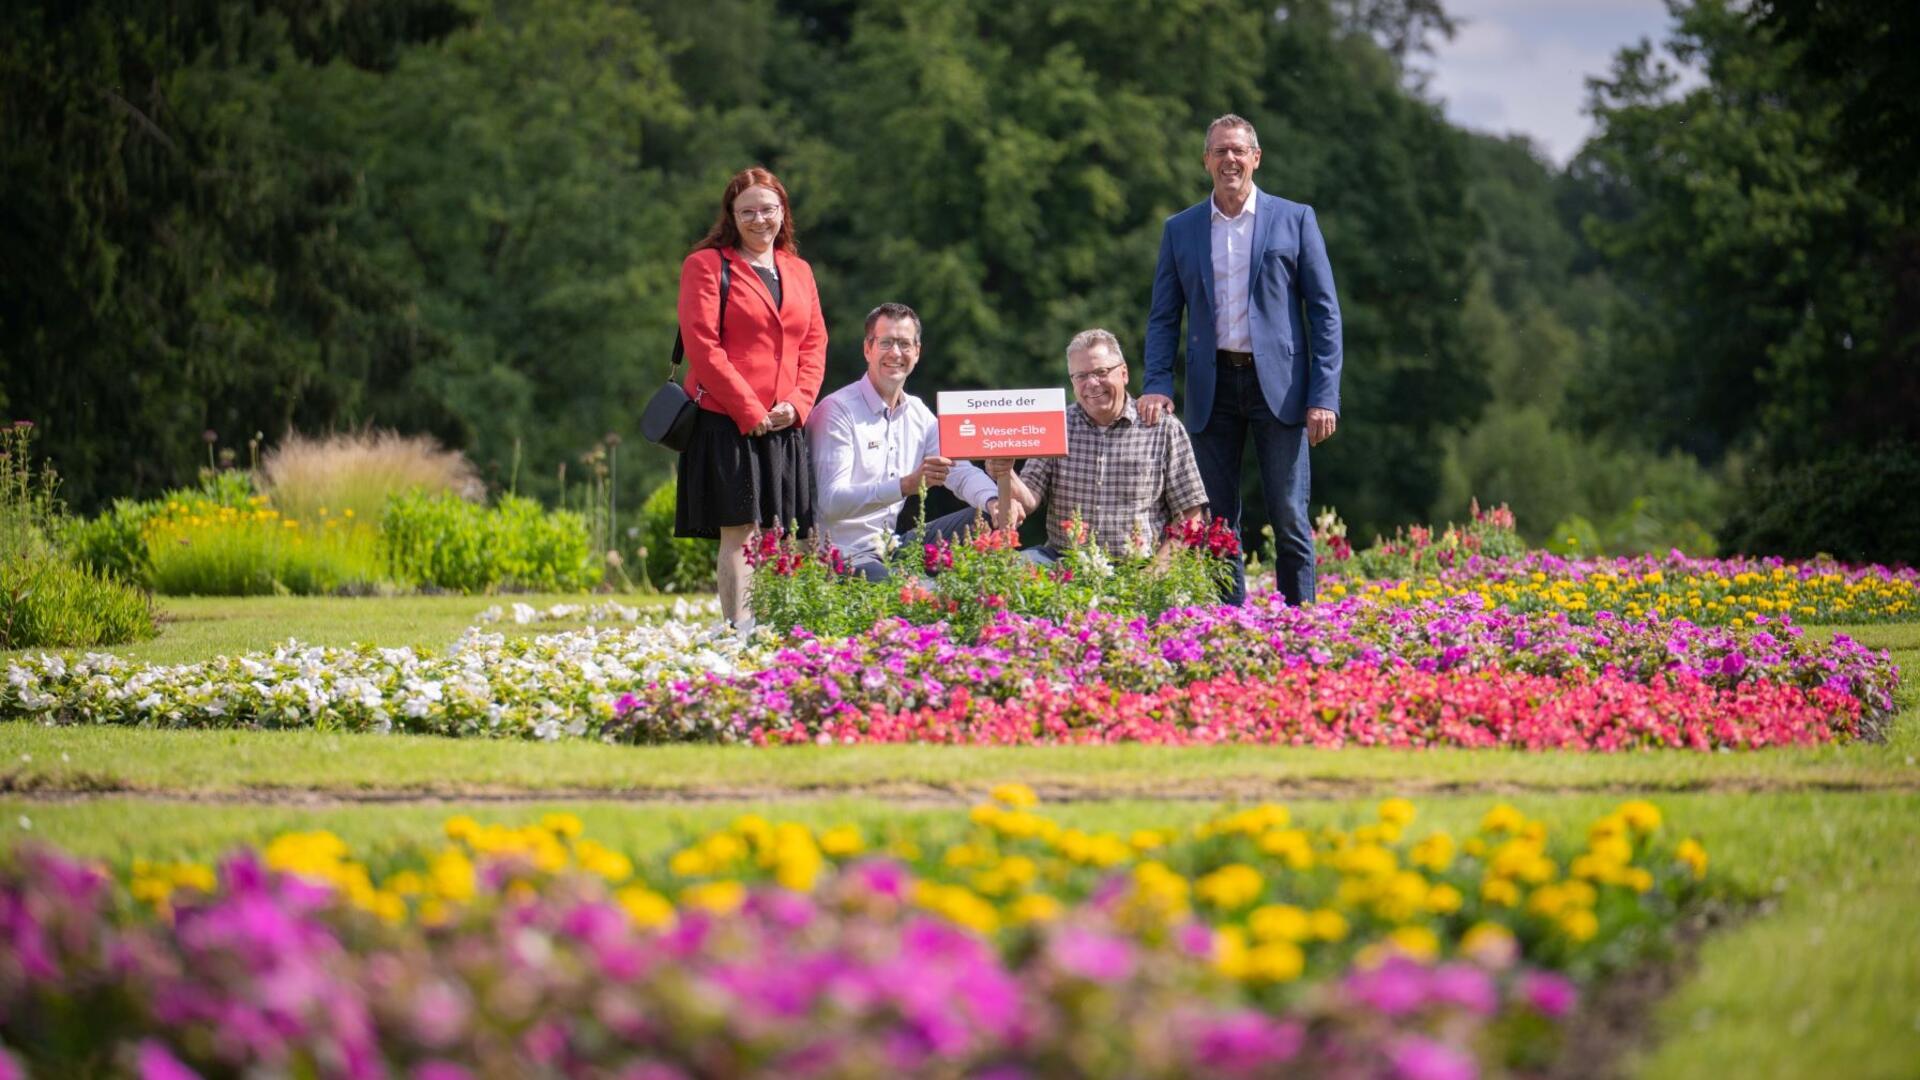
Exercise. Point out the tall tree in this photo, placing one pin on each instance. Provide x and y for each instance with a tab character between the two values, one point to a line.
172	261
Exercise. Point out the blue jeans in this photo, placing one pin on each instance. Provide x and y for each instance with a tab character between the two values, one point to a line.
1239	406
947	527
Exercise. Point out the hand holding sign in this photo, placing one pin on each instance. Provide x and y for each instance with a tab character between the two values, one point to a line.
999	426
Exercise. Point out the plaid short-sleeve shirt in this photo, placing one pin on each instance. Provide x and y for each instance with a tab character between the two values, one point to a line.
1126	480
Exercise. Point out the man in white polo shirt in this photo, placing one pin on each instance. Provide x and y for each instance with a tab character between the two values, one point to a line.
874	445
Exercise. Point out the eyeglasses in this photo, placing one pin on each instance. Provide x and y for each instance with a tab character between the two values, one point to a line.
895	344
1081	378
767	214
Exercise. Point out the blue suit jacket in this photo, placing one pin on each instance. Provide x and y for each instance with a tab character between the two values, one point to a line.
1295	314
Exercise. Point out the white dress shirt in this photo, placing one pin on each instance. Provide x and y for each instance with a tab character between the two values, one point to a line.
861	449
1233	276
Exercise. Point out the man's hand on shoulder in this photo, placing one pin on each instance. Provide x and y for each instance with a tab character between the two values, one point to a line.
1153	406
1320	425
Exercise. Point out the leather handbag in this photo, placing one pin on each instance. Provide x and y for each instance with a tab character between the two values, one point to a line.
670	412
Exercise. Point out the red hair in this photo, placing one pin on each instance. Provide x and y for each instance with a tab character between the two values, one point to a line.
726	231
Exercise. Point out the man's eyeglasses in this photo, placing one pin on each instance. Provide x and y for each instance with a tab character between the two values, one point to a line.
1082	378
895	344
768	214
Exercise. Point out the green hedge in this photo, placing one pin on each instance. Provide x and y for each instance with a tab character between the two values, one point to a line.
445	542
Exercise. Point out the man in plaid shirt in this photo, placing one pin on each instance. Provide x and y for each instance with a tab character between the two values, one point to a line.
1125	480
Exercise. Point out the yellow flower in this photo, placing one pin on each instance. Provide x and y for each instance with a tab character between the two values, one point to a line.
1444	899
1503	818
647	909
1579	924
1017	796
1398	812
1490	943
1230	887
1275	961
462	828
1418	942
559	824
1435	853
1694	855
452	875
719	897
603	861
842	841
1280	922
1290	846
1230	953
1500	891
1641	816
1329	925
690	862
1033	908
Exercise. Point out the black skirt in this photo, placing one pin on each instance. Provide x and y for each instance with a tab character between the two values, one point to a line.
726	479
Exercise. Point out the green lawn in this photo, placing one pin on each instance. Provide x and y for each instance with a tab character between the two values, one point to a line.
1827	972
196	627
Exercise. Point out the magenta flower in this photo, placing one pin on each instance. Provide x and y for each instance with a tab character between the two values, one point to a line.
1416	1058
1549	994
1090	954
155	1062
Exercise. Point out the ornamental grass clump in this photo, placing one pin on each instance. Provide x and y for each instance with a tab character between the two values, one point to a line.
308	478
47	598
1010	945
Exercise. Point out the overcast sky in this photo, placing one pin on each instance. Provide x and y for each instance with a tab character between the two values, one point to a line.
1521	65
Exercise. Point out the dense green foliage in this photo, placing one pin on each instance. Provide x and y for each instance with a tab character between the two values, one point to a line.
674	565
46	597
467	220
445	542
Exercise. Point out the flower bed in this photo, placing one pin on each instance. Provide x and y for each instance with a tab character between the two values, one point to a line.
1095	677
1706	591
487	684
1319	707
904	677
1016	947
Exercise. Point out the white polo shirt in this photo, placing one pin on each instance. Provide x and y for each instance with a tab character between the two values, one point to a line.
861	449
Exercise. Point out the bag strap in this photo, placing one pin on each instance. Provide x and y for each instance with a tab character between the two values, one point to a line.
726	286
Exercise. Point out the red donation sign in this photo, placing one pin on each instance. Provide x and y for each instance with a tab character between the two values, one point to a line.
1003	423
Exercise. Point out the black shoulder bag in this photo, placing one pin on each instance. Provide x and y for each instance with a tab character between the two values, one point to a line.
670	413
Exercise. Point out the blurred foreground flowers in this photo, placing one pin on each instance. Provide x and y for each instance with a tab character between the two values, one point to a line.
1005	945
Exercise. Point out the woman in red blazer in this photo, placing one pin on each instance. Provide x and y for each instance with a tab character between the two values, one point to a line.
754	367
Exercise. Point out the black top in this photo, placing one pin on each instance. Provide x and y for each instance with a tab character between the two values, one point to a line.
773	282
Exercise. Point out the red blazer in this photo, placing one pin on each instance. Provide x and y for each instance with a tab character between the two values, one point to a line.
767	355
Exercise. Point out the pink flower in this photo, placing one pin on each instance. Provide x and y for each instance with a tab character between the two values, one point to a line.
1416	1058
155	1062
1549	994
1091	955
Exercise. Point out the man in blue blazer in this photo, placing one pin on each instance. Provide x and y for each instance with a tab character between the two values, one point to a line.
1249	271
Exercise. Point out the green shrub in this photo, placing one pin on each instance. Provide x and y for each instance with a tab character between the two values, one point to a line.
445	542
674	564
45	599
49	602
1859	505
115	542
796	584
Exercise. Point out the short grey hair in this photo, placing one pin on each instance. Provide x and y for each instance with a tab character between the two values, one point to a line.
1087	339
1234	120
